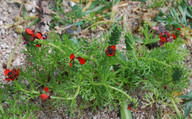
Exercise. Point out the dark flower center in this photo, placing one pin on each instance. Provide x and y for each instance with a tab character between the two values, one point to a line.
110	51
11	75
165	35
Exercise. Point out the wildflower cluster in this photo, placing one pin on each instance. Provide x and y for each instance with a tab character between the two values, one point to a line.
45	96
165	36
29	35
72	57
104	75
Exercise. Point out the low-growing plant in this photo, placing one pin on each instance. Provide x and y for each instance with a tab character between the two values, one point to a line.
179	15
81	73
187	98
15	105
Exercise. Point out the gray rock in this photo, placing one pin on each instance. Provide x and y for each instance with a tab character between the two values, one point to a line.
1	23
94	117
14	35
3	31
10	10
8	51
28	7
17	62
4	46
34	9
3	53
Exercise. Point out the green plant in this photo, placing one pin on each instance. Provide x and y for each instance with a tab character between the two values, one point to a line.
188	103
88	17
157	3
179	14
15	105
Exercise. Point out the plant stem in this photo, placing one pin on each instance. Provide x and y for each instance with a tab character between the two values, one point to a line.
120	91
175	107
69	98
152	59
53	45
12	54
1	108
99	84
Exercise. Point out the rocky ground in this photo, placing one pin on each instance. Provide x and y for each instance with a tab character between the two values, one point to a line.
9	38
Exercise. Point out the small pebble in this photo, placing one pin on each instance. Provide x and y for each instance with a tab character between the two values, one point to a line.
1	23
28	7
94	117
4	46
14	35
3	31
33	9
16	62
8	51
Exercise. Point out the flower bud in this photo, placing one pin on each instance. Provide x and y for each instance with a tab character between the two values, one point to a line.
19	29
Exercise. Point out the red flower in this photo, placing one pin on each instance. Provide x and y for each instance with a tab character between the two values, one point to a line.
39	35
81	60
11	74
165	87
164	37
44	96
38	45
72	57
174	36
110	51
70	64
129	108
177	33
46	89
30	34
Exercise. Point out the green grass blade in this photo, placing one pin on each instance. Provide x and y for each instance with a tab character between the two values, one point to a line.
125	113
34	22
24	13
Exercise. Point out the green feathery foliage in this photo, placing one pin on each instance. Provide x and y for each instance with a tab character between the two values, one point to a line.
129	41
115	36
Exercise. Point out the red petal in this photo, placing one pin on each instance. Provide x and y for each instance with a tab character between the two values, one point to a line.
46	89
163	39
178	29
8	79
129	108
29	31
81	60
39	35
70	64
6	72
160	35
44	96
174	37
113	47
17	73
168	34
38	45
72	56
14	70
